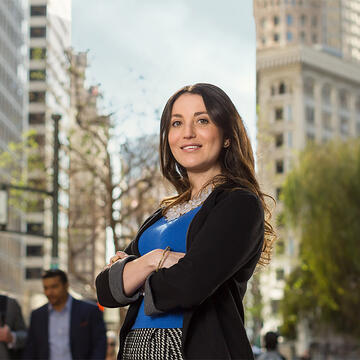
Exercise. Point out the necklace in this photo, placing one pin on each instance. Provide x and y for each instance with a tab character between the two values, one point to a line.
176	211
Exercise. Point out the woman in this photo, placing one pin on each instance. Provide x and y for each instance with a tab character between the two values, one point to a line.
185	273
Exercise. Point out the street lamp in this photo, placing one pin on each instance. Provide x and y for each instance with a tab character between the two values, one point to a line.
55	208
3	207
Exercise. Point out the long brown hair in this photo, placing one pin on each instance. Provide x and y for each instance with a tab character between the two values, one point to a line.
237	160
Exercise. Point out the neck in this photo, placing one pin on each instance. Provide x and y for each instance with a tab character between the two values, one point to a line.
198	180
60	306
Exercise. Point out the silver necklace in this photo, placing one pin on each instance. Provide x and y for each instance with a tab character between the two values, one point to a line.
176	211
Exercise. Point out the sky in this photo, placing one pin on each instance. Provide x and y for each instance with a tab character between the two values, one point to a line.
142	51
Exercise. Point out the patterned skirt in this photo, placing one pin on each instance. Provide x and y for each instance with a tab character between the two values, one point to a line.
153	344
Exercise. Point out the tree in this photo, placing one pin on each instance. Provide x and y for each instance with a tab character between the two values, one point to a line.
19	164
322	201
112	185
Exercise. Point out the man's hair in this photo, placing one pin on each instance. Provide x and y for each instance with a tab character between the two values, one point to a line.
271	340
55	272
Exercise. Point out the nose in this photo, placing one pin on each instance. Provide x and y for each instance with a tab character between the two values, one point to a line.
189	131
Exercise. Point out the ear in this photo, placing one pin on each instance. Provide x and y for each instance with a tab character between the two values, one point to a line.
226	143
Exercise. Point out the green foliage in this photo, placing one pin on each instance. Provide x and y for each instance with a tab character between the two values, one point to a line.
322	200
17	165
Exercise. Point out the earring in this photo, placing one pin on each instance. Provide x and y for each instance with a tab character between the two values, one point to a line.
226	143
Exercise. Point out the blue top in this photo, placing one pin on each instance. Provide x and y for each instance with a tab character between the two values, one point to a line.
158	236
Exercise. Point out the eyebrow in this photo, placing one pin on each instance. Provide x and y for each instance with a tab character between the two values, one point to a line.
195	114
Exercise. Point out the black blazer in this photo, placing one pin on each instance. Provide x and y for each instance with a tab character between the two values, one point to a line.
223	245
87	333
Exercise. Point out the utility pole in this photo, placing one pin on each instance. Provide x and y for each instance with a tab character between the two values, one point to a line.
55	207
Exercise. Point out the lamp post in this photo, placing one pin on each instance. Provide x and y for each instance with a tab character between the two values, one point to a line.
3	207
55	208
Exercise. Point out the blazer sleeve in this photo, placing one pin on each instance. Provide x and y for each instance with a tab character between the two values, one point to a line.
30	347
230	240
98	335
109	283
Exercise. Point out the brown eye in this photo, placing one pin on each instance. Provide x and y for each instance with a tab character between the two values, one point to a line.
203	121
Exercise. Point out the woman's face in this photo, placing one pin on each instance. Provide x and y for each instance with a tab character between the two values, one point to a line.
194	139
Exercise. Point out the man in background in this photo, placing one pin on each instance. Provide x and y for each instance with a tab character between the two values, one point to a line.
65	328
12	328
271	343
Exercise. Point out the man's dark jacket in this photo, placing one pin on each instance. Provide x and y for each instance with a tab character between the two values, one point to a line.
87	332
223	245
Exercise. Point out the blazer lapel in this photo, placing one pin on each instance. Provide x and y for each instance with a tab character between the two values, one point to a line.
74	319
44	319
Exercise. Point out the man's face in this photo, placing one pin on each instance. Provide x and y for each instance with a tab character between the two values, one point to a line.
55	290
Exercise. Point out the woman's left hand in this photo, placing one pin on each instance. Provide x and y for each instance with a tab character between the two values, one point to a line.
118	256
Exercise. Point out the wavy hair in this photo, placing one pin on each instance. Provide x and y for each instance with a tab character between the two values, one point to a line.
237	160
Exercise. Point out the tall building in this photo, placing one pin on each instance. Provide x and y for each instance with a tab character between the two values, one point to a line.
49	93
308	89
332	26
13	106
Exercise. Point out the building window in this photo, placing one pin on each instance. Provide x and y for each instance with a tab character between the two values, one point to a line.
280	247
37	53
38	32
310	137
34	250
276	37
276	20
280	220
343	99
263	40
344	126
357	106
289	36
282	88
326	94
280	274
289	19
272	90
303	19
37	75
39	10
36	118
358	128
314	38
278	193
310	115
37	96
279	114
35	228
279	140
33	273
279	166
326	121
302	36
309	87
314	21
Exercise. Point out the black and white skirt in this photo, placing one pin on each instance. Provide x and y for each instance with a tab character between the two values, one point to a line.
153	344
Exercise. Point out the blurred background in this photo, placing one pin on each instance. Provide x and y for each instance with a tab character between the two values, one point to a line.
82	87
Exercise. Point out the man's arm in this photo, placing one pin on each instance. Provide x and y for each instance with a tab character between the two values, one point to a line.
19	328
